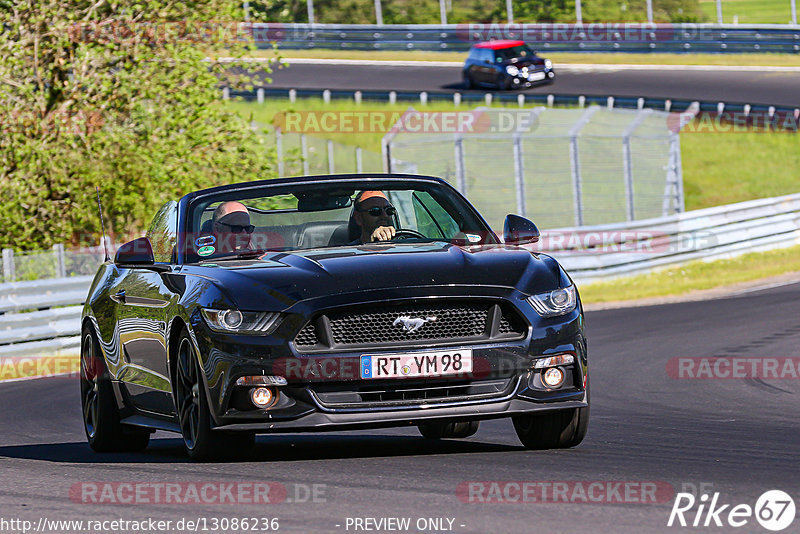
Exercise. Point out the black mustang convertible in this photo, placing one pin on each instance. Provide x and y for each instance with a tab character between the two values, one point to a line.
262	307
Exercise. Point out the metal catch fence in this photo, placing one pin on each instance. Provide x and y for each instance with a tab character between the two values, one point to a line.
559	167
58	262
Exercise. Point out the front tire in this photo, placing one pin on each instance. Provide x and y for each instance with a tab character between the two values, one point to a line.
469	83
451	430
194	415
557	429
503	82
101	421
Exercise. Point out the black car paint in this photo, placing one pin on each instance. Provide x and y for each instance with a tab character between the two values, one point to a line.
137	313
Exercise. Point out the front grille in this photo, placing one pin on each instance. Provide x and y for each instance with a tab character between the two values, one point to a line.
411	323
380	325
411	394
510	323
307	336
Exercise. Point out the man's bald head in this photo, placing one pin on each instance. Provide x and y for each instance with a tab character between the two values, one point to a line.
229	207
231	224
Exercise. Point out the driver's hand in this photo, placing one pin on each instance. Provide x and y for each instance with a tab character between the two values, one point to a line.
383	233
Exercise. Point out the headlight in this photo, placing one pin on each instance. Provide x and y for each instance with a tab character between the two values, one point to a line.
553	303
239	322
548	64
512	70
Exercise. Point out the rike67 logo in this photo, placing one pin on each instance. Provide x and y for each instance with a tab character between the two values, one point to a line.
774	510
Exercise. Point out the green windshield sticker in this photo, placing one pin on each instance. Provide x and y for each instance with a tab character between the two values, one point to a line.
206	251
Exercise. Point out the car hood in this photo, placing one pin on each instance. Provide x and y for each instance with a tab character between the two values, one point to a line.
290	277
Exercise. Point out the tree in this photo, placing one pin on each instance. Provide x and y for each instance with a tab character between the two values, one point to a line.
122	95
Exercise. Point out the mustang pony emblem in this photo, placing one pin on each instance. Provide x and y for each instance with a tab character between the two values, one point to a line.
412	324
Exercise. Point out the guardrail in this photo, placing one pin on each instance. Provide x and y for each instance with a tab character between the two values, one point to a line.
522	99
602	252
43	316
43	294
557	37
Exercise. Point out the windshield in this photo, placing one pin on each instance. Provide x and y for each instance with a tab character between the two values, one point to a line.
233	224
521	51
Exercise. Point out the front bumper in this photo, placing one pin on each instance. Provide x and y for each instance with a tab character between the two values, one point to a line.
321	421
314	379
531	78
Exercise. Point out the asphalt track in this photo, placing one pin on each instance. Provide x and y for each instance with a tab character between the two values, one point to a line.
736	437
767	87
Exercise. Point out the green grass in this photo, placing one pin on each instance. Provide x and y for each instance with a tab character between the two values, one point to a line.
723	168
749	11
563	58
694	276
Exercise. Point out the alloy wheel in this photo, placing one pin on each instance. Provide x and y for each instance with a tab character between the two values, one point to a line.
89	386
188	394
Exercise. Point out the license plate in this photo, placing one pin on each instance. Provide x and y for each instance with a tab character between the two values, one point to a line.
536	76
419	364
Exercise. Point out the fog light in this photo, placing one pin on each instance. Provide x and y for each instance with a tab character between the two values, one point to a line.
553	377
261	381
262	397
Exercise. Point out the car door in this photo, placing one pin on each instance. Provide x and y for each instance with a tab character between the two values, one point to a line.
488	68
479	70
142	317
473	63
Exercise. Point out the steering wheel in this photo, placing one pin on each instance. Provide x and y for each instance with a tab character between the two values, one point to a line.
402	235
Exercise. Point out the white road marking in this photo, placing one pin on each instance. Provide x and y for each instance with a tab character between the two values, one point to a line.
36	377
763	287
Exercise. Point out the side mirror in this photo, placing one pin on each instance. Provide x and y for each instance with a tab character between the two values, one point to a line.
519	231
136	252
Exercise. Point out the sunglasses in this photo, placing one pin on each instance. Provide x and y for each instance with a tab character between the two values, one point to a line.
238	228
377	210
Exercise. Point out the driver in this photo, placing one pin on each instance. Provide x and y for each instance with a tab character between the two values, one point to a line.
374	216
231	226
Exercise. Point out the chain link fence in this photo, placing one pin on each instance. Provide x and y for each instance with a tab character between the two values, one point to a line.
782	12
300	154
58	262
559	167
